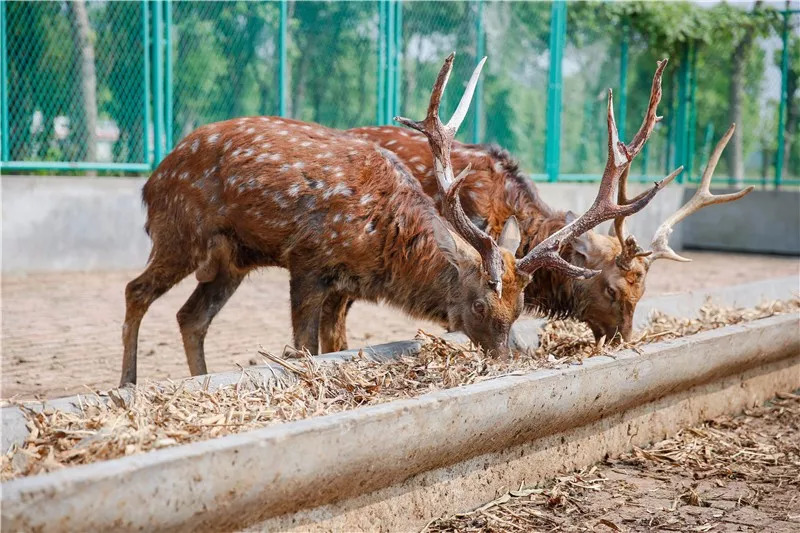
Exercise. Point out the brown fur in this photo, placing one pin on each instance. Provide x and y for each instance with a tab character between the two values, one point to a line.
344	216
495	190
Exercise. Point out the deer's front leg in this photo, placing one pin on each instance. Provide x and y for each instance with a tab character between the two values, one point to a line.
306	296
333	326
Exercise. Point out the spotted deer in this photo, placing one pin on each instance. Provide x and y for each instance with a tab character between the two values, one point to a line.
349	222
496	190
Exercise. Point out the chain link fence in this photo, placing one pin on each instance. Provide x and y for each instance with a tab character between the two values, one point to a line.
92	85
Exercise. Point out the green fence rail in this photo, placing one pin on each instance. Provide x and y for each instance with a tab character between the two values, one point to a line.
111	87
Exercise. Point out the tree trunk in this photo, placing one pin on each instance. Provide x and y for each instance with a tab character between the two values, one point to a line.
736	92
85	130
736	148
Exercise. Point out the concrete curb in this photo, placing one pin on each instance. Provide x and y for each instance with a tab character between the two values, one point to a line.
242	479
526	332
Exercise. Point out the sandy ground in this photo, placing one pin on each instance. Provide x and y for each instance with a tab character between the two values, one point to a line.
731	474
61	331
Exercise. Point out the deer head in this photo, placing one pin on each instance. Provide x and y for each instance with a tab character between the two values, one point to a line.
493	280
610	298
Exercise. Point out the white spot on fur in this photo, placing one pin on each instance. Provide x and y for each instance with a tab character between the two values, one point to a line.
370	227
391	142
334	235
227	145
367	198
298	164
251	130
420	168
294	190
212	139
285	167
305	144
275	157
283	132
336	218
415	159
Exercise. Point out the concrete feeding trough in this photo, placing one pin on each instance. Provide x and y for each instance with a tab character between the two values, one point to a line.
399	464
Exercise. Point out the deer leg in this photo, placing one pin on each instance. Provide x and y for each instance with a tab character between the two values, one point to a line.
158	278
307	297
199	310
333	324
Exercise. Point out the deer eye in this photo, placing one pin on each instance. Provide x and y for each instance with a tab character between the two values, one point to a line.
478	307
612	293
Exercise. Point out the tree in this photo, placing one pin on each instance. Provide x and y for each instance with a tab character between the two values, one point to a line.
85	130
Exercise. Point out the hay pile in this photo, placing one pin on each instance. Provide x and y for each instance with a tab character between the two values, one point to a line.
157	415
731	474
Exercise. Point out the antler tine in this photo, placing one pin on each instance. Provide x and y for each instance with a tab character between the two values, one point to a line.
440	139
603	208
636	145
702	198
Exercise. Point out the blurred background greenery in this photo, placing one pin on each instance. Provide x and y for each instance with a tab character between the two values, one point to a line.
92	85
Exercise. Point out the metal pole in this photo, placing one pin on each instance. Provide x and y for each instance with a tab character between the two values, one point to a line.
681	126
398	72
692	113
623	81
379	114
282	33
168	73
480	51
784	98
6	139
390	62
558	31
158	85
146	84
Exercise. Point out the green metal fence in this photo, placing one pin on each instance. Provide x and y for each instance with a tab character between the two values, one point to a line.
93	85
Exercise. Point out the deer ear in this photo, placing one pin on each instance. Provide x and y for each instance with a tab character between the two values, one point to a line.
455	249
510	236
582	246
570	217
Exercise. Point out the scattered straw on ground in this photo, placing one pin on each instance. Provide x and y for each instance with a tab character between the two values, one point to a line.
731	474
157	415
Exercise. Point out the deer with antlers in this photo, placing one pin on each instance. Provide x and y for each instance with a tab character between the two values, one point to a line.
349	222
496	190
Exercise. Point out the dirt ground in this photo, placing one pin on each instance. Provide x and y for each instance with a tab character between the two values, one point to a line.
61	331
730	474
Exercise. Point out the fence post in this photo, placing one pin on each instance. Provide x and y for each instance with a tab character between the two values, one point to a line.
168	125
623	81
784	97
681	124
158	85
6	139
282	31
480	51
558	33
398	47
692	112
379	114
146	82
390	62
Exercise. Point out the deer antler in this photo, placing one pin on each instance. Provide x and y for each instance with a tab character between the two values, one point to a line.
604	208
701	199
440	138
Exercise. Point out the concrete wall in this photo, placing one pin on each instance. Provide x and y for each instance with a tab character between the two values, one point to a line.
763	221
73	223
79	223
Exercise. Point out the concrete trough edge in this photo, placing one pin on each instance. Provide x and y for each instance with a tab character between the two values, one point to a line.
684	304
242	479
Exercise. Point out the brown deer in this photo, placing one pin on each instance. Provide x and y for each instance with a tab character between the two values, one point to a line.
496	190
347	219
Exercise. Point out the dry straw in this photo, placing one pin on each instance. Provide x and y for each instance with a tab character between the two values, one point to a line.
157	415
731	474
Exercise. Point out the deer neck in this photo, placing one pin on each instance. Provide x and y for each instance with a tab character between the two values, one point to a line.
550	292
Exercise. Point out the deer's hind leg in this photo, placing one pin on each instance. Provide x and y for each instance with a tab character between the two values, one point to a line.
307	296
218	280
199	310
333	323
161	274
